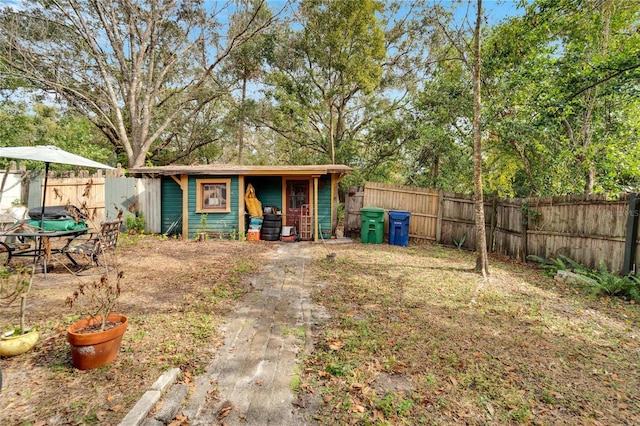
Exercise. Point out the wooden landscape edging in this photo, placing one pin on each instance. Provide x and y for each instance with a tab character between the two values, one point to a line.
589	229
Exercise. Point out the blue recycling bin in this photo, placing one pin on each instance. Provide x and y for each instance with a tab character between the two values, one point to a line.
399	227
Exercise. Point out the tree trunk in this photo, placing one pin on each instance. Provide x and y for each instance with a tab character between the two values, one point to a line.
241	121
482	264
331	135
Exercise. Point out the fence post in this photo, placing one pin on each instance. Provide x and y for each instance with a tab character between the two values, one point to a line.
524	212
439	216
493	222
631	236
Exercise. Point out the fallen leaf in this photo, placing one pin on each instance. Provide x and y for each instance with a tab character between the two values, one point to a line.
378	415
454	382
180	420
336	344
224	412
490	409
356	387
110	398
116	408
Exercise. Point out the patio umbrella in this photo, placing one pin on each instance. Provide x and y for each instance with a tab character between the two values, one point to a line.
49	154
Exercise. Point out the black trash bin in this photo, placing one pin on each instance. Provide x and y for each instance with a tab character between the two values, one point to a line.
399	227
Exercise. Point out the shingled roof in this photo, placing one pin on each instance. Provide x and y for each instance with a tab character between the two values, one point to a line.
231	169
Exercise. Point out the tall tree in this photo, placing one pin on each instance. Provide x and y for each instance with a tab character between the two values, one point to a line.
246	65
561	98
334	76
133	68
482	261
324	68
441	136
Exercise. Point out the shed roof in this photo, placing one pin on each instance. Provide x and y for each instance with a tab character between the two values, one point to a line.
232	169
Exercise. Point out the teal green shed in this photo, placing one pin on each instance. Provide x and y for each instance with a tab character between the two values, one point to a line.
212	199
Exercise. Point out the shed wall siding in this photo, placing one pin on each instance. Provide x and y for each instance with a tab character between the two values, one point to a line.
268	190
171	202
324	205
223	223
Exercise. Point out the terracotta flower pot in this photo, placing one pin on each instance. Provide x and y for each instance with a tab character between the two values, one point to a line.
18	344
93	350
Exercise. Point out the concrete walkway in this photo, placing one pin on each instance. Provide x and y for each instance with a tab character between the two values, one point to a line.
249	381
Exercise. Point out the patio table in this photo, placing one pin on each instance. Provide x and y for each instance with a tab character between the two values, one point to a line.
42	248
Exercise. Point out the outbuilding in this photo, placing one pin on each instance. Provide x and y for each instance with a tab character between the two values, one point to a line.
211	198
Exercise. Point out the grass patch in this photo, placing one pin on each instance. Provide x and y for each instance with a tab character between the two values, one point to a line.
176	296
415	337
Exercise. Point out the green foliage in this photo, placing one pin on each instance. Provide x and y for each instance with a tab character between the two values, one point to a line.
340	213
560	114
393	405
135	222
600	281
352	81
39	124
561	263
15	285
528	214
460	243
607	283
203	225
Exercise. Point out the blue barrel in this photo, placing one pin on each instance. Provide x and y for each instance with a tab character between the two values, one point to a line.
399	227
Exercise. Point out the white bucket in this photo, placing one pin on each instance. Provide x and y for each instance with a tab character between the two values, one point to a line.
286	231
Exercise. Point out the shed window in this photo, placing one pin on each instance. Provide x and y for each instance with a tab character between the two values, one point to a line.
212	195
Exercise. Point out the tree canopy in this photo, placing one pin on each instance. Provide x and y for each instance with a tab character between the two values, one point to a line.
385	87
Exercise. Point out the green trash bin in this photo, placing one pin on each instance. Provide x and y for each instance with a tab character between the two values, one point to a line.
372	225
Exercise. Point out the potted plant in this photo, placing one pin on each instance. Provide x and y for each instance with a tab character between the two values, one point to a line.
95	338
15	284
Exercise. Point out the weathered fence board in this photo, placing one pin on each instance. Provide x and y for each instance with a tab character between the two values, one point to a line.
458	220
421	202
120	194
102	196
588	229
78	191
353	202
148	193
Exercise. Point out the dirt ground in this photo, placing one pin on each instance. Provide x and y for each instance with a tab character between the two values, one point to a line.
413	337
175	294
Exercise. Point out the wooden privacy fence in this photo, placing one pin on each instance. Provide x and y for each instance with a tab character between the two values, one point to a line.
587	229
103	195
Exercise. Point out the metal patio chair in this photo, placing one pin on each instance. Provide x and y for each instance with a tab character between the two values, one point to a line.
94	247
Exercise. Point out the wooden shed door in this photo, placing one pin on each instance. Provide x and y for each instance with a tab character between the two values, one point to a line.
297	196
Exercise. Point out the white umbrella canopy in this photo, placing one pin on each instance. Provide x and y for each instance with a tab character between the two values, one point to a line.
49	154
